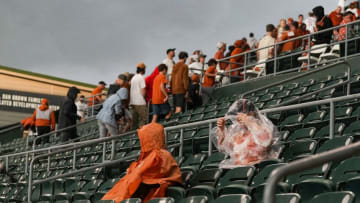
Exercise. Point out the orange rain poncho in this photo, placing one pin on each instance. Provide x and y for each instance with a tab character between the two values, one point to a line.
155	166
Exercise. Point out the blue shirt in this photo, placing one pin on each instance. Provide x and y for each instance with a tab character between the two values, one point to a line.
111	107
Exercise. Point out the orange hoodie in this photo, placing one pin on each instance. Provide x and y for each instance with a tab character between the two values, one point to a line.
238	59
154	166
47	117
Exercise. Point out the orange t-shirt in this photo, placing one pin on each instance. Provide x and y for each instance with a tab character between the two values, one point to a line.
208	80
158	97
335	18
220	55
96	91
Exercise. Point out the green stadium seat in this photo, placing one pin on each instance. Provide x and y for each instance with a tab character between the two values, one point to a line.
228	184
287	198
195	199
105	201
131	200
71	186
240	198
303	133
299	149
326	94
324	131
88	190
314	118
266	97
193	162
306	182
196	117
162	200
206	177
341	113
334	197
291	86
315	87
81	201
299	91
214	160
175	192
283	94
353	129
307	83
210	115
292	122
203	190
104	188
276	89
334	143
272	103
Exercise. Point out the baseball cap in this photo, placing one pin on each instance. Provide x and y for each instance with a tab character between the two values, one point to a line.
102	83
169	50
141	65
202	55
123	77
220	44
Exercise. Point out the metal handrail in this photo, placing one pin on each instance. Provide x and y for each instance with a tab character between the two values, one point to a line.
59	130
104	140
314	161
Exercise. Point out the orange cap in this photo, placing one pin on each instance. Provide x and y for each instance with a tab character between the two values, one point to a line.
141	65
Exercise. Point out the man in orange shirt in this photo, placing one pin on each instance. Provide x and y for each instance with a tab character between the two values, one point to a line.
94	100
44	120
98	90
220	54
159	95
336	16
236	62
208	87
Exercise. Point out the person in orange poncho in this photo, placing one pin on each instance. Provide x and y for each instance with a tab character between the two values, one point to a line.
152	173
236	61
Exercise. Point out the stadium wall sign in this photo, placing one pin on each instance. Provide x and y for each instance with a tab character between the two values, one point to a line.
26	102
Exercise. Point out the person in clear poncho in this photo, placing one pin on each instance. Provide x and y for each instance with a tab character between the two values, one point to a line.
249	139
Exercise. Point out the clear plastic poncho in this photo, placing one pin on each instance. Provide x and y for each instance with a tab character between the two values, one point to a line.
249	139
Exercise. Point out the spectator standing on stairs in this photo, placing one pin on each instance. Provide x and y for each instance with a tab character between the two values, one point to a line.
112	110
44	119
169	62
96	97
160	96
208	86
180	82
137	97
68	115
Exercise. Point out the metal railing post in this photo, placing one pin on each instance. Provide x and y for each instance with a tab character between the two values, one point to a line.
210	141
48	161
245	64
26	162
7	163
309	52
181	149
92	106
165	133
332	118
230	73
104	152
346	41
30	180
275	58
74	159
112	150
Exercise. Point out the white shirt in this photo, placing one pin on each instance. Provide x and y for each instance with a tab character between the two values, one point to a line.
310	23
137	84
252	42
265	42
170	64
196	67
81	108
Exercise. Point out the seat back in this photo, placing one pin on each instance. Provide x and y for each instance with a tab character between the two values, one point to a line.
334	197
239	175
